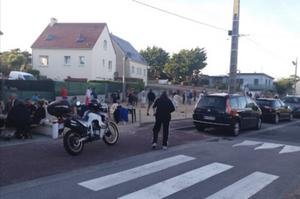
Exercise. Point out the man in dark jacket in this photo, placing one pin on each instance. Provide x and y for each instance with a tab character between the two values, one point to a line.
151	97
164	107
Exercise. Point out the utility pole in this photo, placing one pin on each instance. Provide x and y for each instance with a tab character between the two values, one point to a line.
295	63
234	33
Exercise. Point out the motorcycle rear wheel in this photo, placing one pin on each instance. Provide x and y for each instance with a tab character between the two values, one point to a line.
111	137
72	144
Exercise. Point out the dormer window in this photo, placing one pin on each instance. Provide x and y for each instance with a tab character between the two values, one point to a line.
50	37
81	38
105	45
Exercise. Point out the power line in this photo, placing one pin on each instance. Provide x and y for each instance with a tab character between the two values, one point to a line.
180	16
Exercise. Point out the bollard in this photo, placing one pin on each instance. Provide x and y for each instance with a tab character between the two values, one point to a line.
55	129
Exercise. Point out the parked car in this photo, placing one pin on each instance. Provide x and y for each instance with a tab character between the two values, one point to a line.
294	103
233	112
274	110
18	75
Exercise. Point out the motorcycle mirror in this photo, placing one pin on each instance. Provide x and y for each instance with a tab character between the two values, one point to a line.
78	103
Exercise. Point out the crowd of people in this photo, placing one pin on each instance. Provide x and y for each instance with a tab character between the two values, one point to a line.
20	115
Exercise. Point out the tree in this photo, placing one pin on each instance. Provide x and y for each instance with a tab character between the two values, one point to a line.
284	85
186	65
156	58
15	60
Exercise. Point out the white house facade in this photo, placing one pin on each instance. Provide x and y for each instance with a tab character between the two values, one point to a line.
76	50
255	81
128	61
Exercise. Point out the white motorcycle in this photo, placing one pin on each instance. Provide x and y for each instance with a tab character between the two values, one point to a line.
93	125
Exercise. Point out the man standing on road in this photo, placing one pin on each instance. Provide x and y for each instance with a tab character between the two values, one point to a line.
151	97
164	107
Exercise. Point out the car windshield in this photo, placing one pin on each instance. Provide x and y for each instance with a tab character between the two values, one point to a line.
264	102
214	102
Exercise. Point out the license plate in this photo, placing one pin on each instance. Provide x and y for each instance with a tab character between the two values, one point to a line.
209	118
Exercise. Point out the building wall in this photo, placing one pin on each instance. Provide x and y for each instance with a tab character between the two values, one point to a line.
138	70
93	68
263	81
100	71
120	61
56	68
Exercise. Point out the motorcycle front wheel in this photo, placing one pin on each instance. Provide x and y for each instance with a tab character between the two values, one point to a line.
112	134
72	144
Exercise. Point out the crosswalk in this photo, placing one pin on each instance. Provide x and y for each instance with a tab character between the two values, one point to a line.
245	187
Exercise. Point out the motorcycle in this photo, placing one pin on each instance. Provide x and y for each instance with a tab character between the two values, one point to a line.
90	125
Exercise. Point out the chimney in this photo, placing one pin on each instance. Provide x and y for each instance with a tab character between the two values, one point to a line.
53	21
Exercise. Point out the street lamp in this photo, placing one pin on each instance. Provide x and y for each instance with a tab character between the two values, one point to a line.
123	77
295	63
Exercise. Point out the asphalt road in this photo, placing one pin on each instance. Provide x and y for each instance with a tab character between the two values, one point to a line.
257	164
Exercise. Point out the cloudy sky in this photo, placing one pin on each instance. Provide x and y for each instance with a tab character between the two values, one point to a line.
271	28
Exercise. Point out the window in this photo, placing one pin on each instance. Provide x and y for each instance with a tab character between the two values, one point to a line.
256	81
145	72
132	69
234	103
82	60
105	45
44	60
103	62
110	65
242	102
67	60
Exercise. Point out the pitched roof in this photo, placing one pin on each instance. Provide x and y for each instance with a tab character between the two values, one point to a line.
129	50
255	74
69	35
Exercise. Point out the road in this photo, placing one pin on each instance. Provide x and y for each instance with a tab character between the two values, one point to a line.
257	164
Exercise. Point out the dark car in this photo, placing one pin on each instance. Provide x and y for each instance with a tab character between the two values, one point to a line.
294	103
274	110
233	112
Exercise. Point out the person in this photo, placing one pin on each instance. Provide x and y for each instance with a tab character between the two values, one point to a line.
143	99
64	93
163	107
88	94
175	100
183	97
94	93
151	97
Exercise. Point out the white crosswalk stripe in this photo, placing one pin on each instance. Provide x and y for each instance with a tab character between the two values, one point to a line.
246	187
127	175
173	185
241	189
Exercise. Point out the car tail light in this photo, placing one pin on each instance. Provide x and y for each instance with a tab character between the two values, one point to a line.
268	108
229	110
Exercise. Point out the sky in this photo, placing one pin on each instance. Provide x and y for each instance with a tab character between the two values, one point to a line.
270	29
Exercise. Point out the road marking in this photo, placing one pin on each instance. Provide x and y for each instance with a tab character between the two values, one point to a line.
175	184
267	145
127	175
289	149
247	143
246	187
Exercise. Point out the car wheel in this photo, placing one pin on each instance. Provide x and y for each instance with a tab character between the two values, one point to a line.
235	129
258	123
276	119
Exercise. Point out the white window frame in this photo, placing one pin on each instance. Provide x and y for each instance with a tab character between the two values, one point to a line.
132	69
44	60
105	44
67	60
82	60
103	63
110	65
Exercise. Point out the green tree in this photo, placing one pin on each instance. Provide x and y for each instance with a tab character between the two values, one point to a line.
186	65
284	85
15	60
156	58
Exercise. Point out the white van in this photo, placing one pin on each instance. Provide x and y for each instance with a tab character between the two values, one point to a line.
18	75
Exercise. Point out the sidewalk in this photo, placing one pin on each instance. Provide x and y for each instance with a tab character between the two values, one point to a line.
43	133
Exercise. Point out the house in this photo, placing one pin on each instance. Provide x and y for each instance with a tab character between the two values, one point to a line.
217	80
255	81
76	50
134	65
